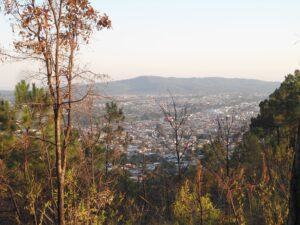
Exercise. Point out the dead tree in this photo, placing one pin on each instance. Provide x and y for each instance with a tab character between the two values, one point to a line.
180	131
224	137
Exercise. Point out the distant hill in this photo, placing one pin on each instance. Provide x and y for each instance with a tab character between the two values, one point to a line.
203	86
154	85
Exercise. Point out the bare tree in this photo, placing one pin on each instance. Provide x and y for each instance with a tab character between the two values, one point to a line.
224	137
181	133
89	127
51	32
219	163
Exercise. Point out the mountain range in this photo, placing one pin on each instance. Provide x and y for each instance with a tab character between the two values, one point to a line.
154	85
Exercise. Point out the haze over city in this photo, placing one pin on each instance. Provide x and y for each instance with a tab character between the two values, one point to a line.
243	39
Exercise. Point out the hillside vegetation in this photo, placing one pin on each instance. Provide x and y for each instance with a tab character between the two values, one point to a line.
244	177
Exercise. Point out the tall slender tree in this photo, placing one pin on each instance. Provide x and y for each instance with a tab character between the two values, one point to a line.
51	32
180	132
113	118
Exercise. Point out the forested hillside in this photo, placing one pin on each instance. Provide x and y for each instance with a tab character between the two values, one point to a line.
244	177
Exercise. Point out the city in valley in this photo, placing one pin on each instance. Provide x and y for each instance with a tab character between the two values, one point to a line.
152	137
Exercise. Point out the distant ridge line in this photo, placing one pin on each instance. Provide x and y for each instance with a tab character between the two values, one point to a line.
194	85
156	85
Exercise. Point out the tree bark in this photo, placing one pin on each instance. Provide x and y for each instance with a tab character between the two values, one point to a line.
59	168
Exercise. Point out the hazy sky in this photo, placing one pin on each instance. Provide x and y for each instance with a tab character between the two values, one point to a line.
228	38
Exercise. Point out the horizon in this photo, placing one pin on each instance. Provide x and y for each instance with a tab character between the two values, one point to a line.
171	77
195	77
246	40
129	77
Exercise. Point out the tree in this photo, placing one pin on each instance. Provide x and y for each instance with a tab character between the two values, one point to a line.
226	138
51	32
180	133
228	175
113	129
7	116
23	155
189	208
279	114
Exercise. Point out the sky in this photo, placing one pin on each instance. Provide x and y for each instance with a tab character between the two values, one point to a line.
255	39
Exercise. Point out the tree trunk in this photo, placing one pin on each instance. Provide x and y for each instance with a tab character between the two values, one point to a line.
179	166
227	158
59	167
177	150
61	203
106	162
294	204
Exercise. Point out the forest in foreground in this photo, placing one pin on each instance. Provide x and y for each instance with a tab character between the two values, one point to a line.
244	178
55	149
